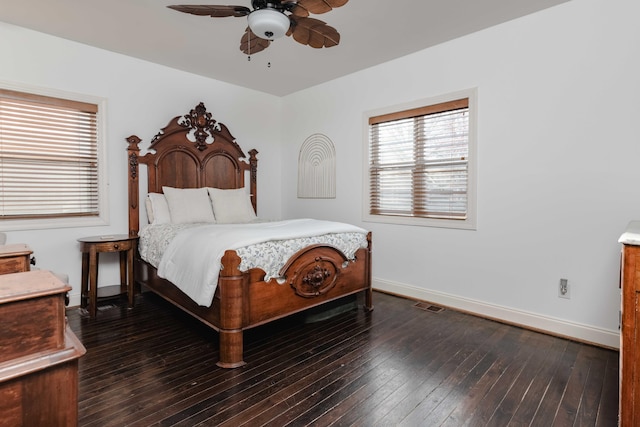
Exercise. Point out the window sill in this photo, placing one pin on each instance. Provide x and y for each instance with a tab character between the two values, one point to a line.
461	224
49	223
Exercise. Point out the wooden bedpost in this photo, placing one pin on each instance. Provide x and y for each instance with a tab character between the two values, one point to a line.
230	287
253	176
134	189
368	296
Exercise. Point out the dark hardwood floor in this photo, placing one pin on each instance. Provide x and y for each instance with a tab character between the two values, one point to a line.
397	366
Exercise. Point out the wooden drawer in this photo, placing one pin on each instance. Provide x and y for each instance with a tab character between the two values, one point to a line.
45	397
14	258
31	313
119	246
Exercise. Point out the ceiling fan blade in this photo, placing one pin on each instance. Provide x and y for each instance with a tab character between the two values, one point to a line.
314	32
215	11
304	7
250	43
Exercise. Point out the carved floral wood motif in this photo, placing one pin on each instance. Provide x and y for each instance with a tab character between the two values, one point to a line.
193	150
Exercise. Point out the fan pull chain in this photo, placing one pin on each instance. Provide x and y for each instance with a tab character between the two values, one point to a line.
249	49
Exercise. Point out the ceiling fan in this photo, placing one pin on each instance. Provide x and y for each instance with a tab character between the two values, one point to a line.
271	19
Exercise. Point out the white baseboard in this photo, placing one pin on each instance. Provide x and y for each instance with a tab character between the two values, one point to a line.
554	326
74	300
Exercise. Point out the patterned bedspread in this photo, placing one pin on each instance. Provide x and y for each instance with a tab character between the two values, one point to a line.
270	255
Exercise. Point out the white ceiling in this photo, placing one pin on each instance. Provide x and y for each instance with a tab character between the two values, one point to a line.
372	32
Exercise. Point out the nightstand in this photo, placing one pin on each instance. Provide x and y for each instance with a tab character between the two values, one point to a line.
14	258
91	247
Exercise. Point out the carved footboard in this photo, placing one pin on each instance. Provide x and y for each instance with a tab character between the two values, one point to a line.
314	276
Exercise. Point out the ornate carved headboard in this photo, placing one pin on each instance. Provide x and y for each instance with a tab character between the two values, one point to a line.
192	151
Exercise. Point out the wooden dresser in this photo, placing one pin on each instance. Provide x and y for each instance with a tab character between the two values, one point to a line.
14	258
38	352
630	327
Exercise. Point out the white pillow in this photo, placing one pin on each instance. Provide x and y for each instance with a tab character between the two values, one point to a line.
157	209
149	209
231	206
188	205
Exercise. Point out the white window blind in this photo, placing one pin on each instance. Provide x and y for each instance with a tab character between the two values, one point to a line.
48	157
418	162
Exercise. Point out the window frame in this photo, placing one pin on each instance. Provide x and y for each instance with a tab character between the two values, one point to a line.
79	220
468	223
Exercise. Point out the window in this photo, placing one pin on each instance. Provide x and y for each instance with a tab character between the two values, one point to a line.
421	164
49	161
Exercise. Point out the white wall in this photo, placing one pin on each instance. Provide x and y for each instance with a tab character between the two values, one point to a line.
558	152
141	99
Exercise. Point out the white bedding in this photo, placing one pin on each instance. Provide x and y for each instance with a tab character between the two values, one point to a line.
191	259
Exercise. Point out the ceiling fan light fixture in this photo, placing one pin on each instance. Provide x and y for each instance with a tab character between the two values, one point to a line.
268	24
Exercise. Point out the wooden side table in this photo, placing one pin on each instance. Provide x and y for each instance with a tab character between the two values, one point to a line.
14	258
91	247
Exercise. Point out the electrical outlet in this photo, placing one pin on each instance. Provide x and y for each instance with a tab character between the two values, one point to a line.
564	291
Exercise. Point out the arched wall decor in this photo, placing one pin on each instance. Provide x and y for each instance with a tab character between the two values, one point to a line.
317	168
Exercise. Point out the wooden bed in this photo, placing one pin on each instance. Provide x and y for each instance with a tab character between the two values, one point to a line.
194	151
